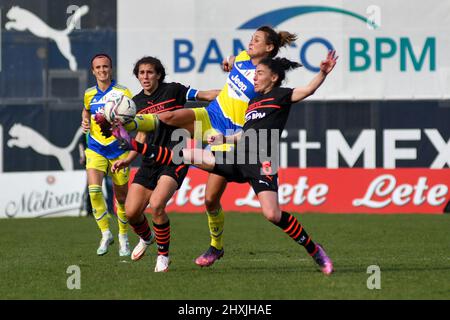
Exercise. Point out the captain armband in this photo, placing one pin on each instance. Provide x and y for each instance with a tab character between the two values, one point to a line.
191	94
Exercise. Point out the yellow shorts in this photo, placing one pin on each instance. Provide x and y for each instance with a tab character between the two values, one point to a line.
101	163
203	129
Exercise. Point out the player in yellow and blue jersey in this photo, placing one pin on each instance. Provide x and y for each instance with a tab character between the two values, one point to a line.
102	152
225	115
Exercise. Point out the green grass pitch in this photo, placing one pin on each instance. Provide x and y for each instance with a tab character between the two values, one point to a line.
260	262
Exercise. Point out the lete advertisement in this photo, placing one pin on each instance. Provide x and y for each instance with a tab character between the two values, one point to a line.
380	191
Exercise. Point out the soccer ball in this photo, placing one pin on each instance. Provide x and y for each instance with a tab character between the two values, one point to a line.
122	109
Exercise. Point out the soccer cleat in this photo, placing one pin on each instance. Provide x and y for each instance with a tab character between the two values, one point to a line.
209	257
122	137
124	248
107	240
141	247
322	259
162	263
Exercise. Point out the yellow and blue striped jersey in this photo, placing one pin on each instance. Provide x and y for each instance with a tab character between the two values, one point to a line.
227	111
94	101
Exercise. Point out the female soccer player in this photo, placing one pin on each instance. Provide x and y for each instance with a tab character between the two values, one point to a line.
101	152
155	184
225	114
272	107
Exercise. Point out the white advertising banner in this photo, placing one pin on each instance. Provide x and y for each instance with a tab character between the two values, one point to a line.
387	49
41	194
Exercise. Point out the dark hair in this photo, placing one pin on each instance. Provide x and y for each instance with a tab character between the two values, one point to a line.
155	62
103	55
277	39
279	66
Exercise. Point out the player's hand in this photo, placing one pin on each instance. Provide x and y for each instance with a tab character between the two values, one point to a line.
83	159
227	63
328	64
216	139
85	125
119	164
105	126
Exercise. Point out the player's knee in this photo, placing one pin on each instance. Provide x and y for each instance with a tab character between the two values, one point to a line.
132	214
157	206
273	215
121	196
188	155
212	203
166	117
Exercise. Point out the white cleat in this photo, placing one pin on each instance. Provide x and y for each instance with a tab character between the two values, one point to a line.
141	247
162	264
124	250
107	240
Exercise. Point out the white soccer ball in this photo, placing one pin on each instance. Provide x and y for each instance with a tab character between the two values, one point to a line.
122	109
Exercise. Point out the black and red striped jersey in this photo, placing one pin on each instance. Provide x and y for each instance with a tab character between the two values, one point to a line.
265	119
269	111
167	97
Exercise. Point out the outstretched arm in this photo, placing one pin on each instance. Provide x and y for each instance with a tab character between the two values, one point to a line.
207	95
326	66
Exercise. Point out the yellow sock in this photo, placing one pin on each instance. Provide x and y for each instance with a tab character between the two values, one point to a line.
216	221
122	218
99	208
143	122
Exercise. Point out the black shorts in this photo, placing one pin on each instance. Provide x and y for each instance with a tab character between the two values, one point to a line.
259	176
148	176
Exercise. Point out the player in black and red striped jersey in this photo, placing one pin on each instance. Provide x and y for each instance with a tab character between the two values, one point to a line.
266	116
155	184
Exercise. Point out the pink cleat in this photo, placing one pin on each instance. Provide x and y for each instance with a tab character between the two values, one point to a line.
209	257
122	137
322	259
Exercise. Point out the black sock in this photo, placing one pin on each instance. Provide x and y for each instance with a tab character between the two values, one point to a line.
161	155
142	229
162	232
294	229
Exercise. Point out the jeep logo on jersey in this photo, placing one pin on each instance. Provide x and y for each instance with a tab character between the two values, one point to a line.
238	82
254	115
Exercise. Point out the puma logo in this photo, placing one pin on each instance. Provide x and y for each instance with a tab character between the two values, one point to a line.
25	137
22	20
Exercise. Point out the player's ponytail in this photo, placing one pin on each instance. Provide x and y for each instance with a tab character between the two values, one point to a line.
279	66
277	39
286	38
287	65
